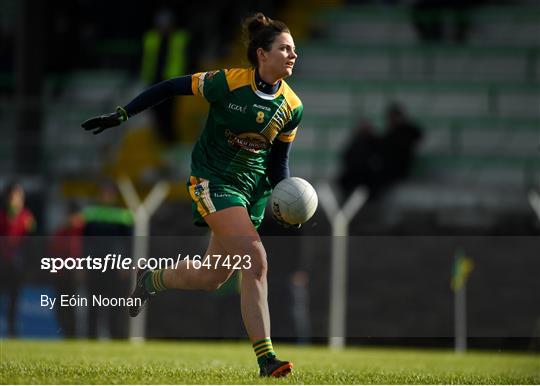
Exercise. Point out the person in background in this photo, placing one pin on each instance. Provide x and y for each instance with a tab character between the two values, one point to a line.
164	57
16	222
377	161
108	229
362	162
67	242
299	286
399	143
438	21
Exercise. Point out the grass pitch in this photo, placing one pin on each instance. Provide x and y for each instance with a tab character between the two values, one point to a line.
86	362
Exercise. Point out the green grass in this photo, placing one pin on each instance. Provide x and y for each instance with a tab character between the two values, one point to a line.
82	362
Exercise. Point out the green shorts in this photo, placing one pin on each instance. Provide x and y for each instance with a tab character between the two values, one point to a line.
211	196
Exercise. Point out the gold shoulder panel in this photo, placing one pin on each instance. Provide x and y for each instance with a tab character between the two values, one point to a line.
290	96
238	77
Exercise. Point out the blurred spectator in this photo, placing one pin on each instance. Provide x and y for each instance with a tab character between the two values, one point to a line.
107	230
442	20
399	142
67	242
377	161
362	160
300	306
165	56
16	222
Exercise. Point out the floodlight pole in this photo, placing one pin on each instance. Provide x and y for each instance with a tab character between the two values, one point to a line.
142	213
339	220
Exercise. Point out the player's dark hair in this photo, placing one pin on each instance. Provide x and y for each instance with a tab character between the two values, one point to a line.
260	31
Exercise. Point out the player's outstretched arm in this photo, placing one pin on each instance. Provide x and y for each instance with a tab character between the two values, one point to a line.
148	98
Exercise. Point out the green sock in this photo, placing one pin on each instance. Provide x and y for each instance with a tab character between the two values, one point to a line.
154	282
263	350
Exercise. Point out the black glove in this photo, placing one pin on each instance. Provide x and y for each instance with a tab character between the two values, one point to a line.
99	124
284	224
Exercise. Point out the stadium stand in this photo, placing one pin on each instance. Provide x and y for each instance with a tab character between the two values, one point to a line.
479	102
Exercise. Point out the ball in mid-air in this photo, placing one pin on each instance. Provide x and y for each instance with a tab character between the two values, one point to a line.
294	200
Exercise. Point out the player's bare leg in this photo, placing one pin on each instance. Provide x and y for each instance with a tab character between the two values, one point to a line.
187	277
234	231
234	234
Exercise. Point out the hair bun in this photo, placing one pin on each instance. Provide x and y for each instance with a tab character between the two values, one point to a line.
253	24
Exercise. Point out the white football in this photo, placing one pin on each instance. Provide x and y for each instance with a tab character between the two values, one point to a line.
294	200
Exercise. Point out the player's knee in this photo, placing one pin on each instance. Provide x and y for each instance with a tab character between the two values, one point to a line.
212	285
215	281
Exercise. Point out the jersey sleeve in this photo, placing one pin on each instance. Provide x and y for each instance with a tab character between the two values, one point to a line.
289	130
211	85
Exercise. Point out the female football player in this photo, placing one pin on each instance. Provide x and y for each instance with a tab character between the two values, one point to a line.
240	155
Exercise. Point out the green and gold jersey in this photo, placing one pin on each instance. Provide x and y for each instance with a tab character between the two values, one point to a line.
242	125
